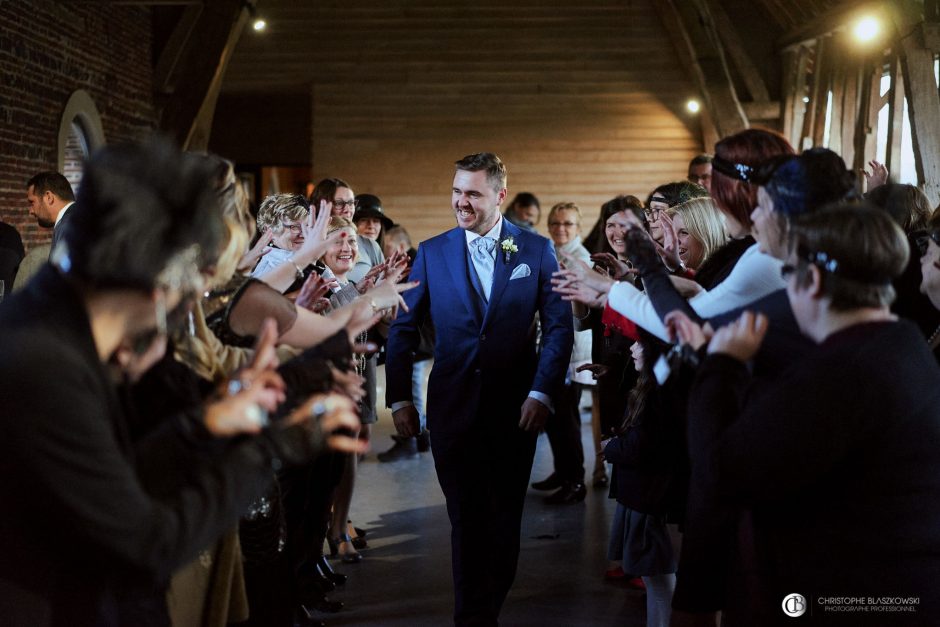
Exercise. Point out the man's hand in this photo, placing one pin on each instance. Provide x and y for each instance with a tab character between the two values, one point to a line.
597	370
407	422
534	415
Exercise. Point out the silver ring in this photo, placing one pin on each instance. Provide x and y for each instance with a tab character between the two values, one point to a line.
257	415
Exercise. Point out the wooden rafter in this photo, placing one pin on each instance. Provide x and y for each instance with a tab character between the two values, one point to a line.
202	64
698	45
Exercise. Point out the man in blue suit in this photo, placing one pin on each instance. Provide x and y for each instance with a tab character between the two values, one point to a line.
489	394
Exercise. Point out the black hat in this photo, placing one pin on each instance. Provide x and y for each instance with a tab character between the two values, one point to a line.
370	206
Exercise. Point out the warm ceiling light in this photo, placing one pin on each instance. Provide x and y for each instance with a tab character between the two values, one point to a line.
693	106
259	25
866	29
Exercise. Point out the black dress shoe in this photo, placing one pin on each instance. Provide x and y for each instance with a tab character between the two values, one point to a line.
553	482
424	441
404	447
568	493
323	565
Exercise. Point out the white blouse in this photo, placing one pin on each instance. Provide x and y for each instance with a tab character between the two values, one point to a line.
754	276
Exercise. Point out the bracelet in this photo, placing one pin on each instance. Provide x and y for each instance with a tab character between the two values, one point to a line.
298	273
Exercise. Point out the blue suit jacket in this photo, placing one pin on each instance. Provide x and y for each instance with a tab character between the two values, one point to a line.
482	353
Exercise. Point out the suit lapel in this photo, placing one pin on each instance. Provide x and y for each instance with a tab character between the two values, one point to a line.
502	270
455	258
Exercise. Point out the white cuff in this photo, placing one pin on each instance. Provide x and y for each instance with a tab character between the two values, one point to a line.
543	399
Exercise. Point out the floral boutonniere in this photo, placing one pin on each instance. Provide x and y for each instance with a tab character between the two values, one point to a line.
508	247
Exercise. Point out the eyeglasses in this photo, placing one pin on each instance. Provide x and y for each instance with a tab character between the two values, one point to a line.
342	204
567	225
922	239
295	229
786	271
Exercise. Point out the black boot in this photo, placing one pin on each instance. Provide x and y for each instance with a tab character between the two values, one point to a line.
404	447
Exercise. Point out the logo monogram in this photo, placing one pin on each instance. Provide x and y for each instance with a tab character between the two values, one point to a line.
794	605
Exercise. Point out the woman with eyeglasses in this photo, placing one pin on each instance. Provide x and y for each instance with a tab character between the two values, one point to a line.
341	200
564	425
284	223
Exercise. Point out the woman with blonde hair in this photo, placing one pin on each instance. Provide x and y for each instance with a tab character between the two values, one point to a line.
693	230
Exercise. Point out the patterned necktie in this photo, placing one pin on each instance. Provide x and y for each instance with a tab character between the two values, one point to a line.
484	261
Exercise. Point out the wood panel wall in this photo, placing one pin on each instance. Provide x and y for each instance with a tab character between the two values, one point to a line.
583	100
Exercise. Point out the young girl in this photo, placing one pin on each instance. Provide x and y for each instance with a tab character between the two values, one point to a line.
646	459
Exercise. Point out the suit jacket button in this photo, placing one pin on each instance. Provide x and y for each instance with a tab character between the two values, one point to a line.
477	371
483	337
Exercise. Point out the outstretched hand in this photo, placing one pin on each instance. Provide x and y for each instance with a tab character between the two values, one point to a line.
877	177
684	331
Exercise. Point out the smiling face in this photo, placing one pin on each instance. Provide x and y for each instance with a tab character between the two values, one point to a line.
475	202
691	251
289	235
341	256
344	203
616	229
563	226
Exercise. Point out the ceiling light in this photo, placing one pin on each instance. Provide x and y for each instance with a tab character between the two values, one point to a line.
259	24
866	29
693	106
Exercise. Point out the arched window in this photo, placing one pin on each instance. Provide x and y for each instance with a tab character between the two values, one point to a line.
80	133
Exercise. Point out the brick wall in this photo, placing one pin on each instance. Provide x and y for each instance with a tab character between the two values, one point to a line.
47	51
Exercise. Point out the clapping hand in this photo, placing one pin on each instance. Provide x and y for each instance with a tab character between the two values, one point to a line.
255	390
337	420
683	330
742	338
669	251
387	296
250	259
575	272
617	270
312	295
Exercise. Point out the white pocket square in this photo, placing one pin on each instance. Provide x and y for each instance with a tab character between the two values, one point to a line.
520	272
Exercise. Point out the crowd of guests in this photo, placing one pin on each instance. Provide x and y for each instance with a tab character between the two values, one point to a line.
189	387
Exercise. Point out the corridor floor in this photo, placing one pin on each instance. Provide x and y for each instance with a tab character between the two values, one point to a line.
404	578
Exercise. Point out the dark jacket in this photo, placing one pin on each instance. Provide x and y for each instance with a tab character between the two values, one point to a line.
838	462
78	524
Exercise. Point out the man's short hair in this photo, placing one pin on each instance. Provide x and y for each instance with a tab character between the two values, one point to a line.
702	159
279	207
858	249
488	162
51	182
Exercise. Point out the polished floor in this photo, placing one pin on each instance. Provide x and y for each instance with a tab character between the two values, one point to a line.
405	579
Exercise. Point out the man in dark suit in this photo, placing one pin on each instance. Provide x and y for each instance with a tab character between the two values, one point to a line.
50	196
489	394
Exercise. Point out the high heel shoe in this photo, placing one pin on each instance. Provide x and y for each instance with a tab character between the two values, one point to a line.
359	539
324	567
350	556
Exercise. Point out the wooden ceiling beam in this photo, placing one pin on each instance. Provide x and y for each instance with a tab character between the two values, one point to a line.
836	18
698	46
186	112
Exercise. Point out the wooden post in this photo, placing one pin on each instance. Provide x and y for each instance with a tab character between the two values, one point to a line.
794	109
822	75
924	111
809	120
895	120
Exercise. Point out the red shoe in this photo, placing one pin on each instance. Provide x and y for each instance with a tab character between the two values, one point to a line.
614	574
636	583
